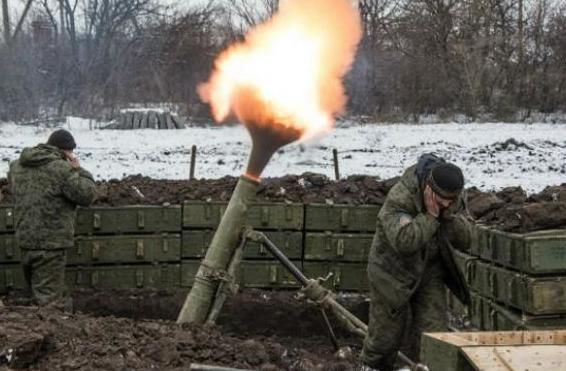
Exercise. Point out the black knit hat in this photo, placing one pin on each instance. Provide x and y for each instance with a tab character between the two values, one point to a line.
446	180
62	139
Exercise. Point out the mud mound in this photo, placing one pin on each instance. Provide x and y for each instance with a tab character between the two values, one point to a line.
509	209
306	188
52	340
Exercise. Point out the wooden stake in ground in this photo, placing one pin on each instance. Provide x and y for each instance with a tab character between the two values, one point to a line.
336	169
193	160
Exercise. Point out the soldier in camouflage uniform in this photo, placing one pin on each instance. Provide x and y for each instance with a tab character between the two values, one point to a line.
48	184
410	260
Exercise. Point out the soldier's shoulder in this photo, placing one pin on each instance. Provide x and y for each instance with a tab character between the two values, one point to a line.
60	167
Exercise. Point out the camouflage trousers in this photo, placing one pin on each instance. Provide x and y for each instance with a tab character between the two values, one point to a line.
44	272
388	333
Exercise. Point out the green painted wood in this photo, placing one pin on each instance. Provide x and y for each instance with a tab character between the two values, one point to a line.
541	252
440	355
11	277
340	247
6	219
341	218
196	242
466	264
261	215
125	249
506	319
9	251
534	295
252	274
345	276
161	276
129	219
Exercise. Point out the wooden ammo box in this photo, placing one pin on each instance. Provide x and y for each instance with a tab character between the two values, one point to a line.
341	218
125	249
542	252
345	276
196	242
161	276
535	295
128	219
481	239
498	317
201	214
494	351
6	219
482	280
532	294
337	246
11	277
466	264
9	252
256	274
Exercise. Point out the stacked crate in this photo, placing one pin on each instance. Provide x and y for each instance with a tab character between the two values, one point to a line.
518	281
11	274
337	243
126	247
281	222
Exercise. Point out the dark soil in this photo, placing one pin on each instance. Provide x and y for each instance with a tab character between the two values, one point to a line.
509	209
258	330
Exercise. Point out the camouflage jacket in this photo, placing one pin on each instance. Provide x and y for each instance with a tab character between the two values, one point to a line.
47	191
408	241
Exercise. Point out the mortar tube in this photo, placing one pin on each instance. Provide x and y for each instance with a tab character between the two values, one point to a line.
198	303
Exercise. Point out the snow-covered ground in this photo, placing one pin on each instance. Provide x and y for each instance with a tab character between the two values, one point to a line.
536	157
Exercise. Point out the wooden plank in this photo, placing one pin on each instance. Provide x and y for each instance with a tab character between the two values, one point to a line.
511	358
341	218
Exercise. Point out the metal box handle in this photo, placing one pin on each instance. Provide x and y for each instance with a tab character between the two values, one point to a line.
288	213
139	278
327	240
9	278
272	274
94	279
262	249
140	249
344	216
9	218
337	277
264	215
141	219
96	220
340	248
165	246
95	250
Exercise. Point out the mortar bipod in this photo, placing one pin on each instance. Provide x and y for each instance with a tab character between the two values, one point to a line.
324	298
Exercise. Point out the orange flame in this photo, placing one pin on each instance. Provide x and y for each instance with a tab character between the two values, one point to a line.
288	71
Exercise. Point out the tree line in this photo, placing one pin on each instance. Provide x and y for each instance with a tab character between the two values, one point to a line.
498	58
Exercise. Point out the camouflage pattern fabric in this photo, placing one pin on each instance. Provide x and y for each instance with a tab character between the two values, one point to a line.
47	190
44	271
407	269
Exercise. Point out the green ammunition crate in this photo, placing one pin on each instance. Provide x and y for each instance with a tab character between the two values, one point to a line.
9	252
483	280
201	214
254	274
125	249
11	277
534	295
196	242
466	265
345	276
267	274
476	310
481	239
6	219
129	219
542	252
503	319
161	276
341	218
337	246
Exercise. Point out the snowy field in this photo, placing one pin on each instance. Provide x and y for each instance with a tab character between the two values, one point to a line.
492	155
